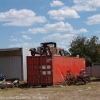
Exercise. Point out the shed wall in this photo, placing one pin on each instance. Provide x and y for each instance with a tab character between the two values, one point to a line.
11	66
25	52
13	62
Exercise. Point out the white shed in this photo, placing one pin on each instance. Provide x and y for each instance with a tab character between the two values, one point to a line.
13	63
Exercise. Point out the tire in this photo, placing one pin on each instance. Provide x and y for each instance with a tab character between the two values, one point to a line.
44	85
87	79
13	85
68	83
84	80
79	80
17	84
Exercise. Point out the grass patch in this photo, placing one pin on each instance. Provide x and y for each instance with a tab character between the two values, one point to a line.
94	79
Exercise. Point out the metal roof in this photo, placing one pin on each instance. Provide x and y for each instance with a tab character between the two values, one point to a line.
11	49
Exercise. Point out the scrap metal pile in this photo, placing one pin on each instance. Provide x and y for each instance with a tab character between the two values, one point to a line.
8	83
70	78
48	48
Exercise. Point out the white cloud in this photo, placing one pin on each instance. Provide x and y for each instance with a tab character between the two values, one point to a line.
43	7
58	36
89	2
97	31
63	13
62	40
95	19
26	45
57	27
56	3
12	38
26	37
22	17
37	30
79	31
20	45
80	7
86	5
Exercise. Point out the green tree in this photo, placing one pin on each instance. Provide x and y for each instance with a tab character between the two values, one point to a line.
86	48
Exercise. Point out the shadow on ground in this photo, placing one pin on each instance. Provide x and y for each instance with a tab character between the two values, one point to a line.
25	85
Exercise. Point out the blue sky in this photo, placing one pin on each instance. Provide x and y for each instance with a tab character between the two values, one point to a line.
27	23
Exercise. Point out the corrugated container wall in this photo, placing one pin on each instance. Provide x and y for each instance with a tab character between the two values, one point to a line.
13	62
45	70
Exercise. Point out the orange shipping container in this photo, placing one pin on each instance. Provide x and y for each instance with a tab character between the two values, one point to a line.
46	70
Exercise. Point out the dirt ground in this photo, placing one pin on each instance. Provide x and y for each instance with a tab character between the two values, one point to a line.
90	91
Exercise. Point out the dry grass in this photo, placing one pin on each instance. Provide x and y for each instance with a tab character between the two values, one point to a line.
89	91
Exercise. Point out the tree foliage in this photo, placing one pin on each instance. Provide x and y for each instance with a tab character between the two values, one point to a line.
86	48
